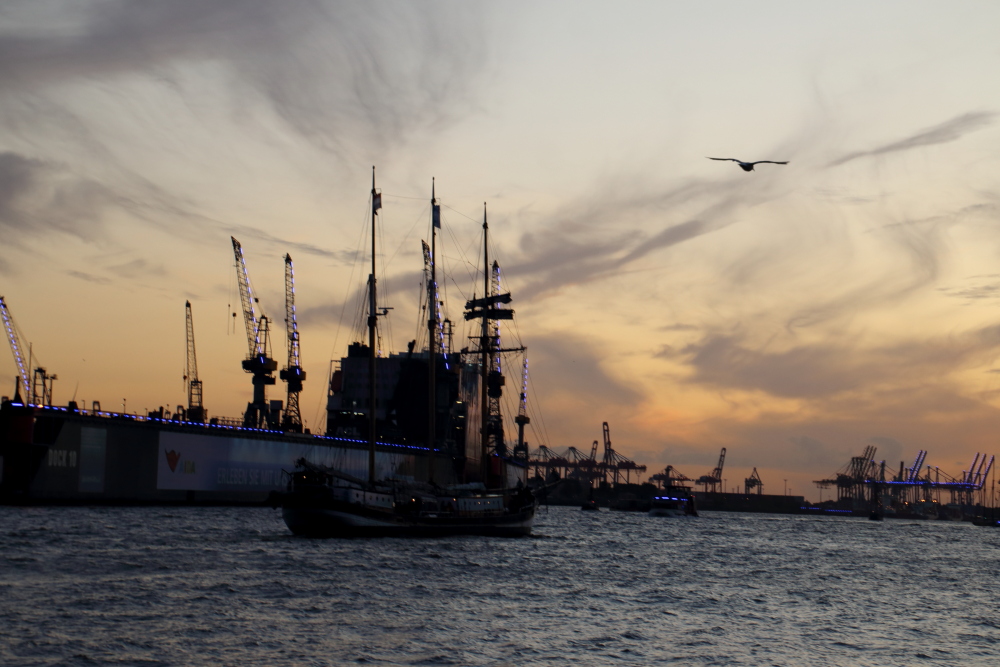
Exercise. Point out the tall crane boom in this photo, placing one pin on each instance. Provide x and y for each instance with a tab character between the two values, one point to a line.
292	373
17	348
195	409
38	387
713	480
717	473
256	346
258	361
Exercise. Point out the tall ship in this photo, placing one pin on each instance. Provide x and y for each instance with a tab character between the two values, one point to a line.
426	421
453	498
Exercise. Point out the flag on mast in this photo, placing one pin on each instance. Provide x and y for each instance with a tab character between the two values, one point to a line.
437	215
376	202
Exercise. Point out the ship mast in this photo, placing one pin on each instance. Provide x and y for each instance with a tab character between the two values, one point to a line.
432	330
372	394
491	378
484	346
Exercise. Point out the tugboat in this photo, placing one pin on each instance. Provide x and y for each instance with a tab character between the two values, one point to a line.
674	500
321	501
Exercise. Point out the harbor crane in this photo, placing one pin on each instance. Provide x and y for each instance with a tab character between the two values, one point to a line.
666	479
713	480
36	385
195	409
615	463
258	361
576	464
753	482
292	373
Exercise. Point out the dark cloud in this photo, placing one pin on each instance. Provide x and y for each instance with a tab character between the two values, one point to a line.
886	448
803	372
824	370
947	131
137	268
284	245
570	367
353	309
38	196
90	278
923	243
666	352
984	287
973	292
595	240
334	71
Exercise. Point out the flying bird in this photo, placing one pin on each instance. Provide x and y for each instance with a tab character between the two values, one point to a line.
746	166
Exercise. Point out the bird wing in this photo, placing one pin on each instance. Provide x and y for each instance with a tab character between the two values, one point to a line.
729	159
767	162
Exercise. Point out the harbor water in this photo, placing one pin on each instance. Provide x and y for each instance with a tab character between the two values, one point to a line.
231	586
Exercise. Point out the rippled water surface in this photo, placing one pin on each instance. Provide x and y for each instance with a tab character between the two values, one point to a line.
230	586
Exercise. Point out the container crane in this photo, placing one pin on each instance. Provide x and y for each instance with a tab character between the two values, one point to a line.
258	361
714	478
541	458
753	482
37	387
616	463
667	478
195	409
590	465
292	373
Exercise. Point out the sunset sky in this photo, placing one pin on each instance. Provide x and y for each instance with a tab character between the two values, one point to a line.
793	315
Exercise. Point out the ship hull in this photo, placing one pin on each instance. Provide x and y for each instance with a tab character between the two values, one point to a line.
668	512
321	502
329	522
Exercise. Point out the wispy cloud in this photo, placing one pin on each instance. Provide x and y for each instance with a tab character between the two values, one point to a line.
38	196
137	268
950	130
823	370
332	70
605	235
89	277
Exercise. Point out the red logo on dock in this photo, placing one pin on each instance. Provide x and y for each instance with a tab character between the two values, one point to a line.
172	459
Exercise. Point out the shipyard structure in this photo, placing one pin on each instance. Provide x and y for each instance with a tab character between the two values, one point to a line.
866	486
607	478
442	423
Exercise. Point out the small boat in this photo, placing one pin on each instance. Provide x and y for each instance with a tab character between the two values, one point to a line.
674	498
675	502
